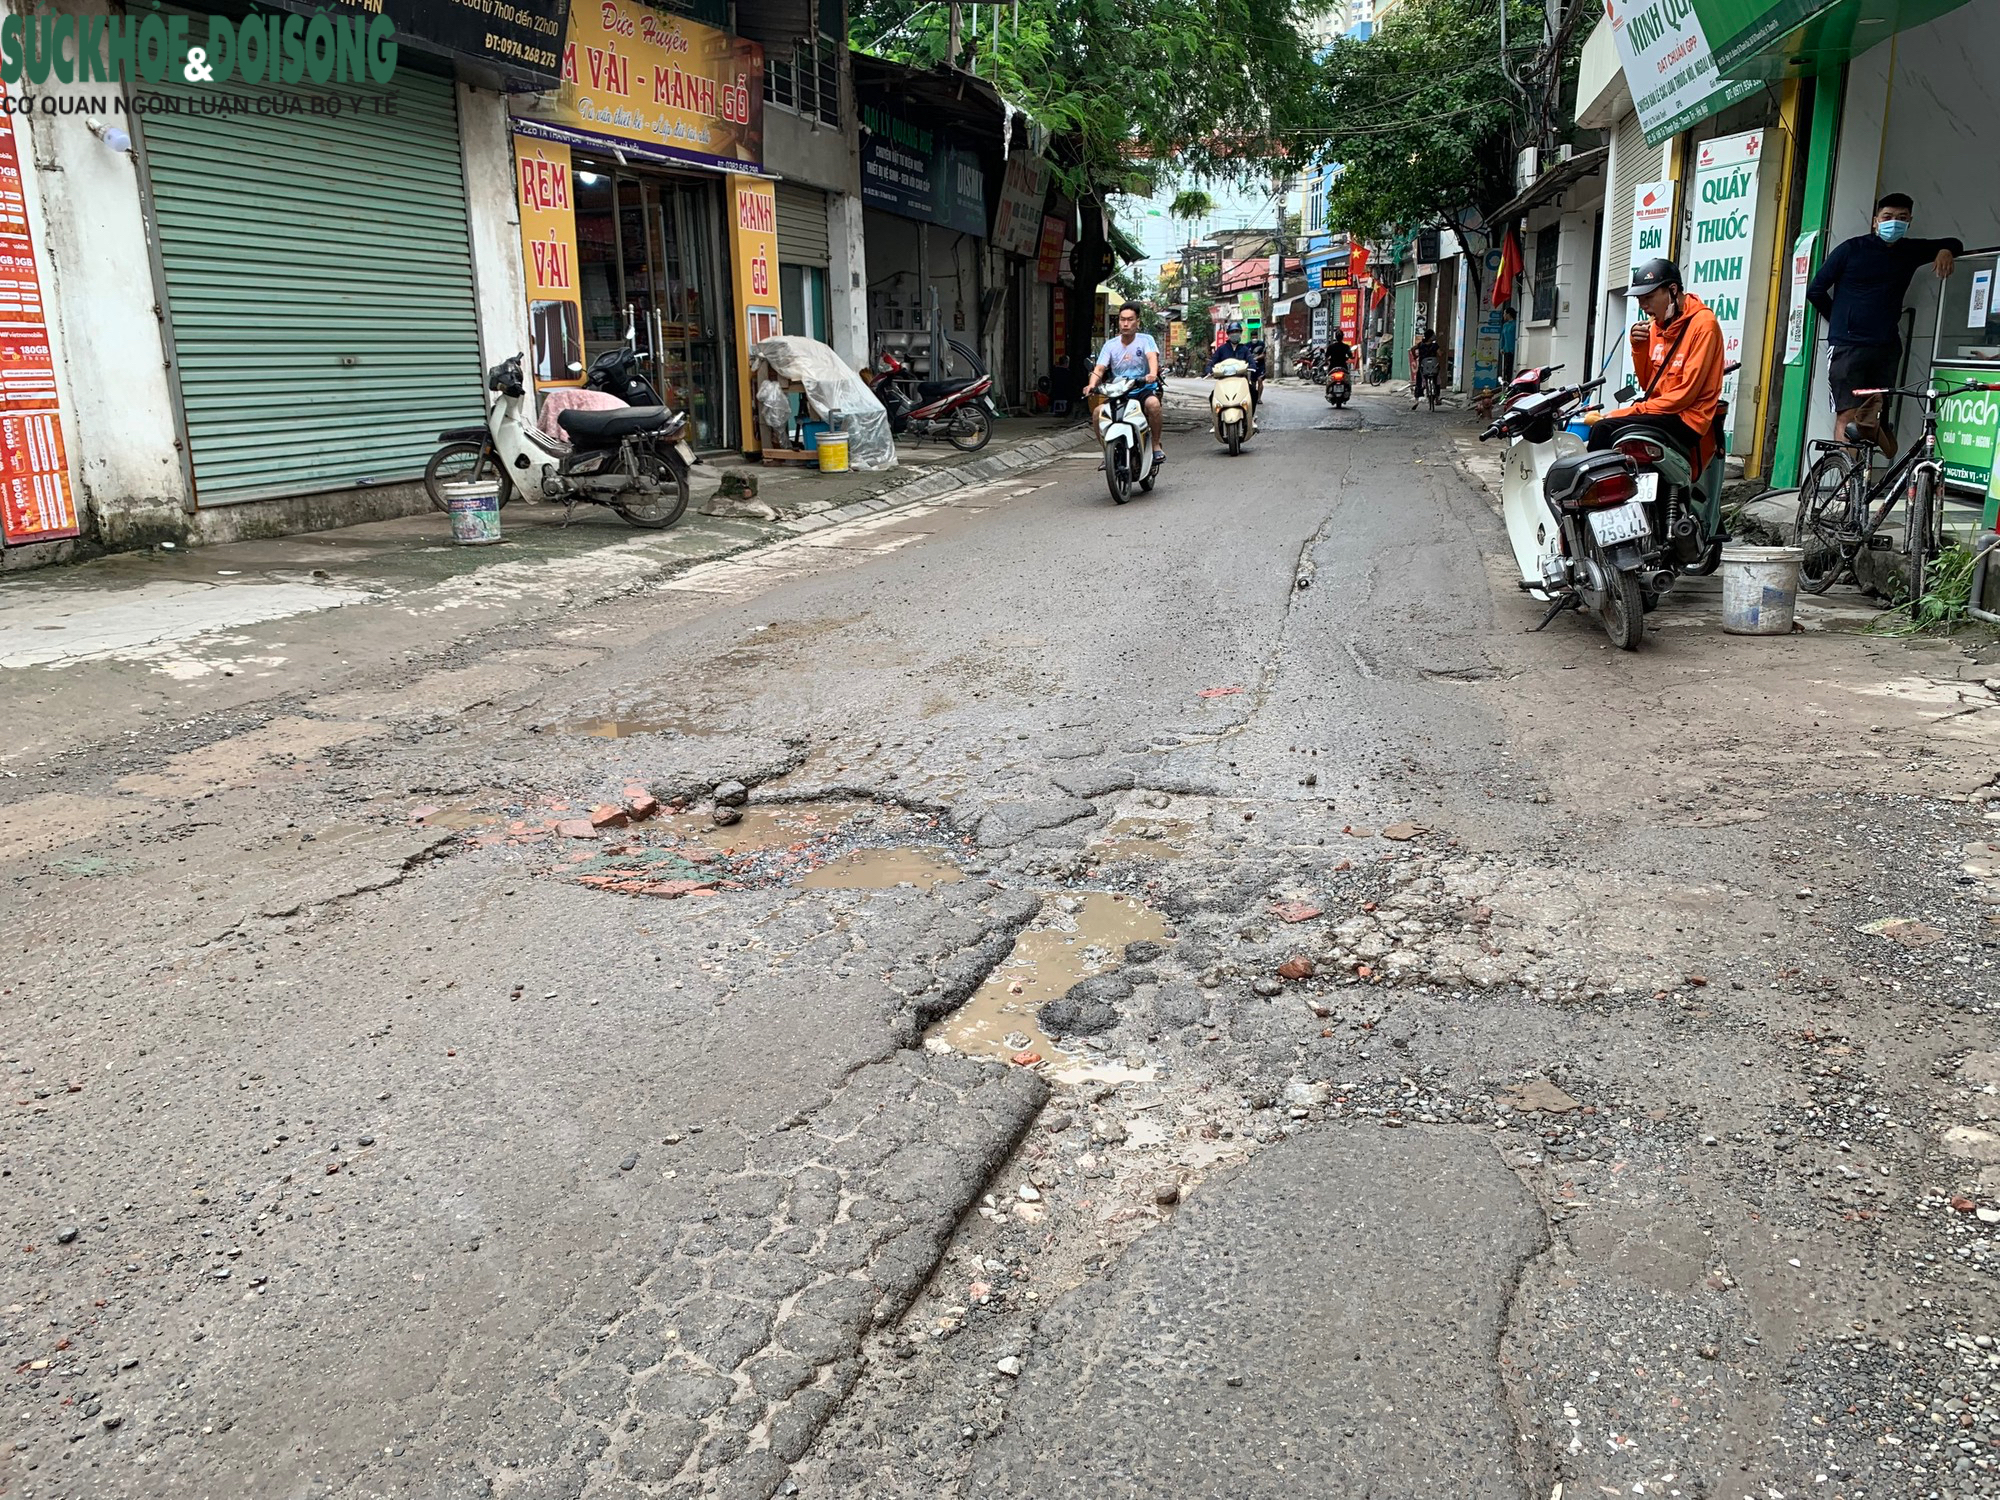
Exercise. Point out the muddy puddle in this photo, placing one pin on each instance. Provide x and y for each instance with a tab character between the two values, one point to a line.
1137	836
852	846
883	870
622	729
1073	938
459	816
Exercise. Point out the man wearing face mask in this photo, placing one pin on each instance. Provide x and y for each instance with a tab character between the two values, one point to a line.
1859	293
1677	354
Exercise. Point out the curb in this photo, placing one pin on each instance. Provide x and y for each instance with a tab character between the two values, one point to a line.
930	485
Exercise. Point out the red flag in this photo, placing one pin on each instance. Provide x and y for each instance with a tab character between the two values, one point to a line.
1510	267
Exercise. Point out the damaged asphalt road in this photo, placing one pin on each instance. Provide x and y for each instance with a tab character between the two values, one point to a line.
1193	1000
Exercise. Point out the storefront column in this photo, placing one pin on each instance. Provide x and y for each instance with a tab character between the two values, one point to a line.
1788	449
1774	290
493	224
847	296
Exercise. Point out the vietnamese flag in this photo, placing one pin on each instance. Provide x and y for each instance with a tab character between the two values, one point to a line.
1510	267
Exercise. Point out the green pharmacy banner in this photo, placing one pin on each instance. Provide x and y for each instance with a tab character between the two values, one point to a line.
1967	425
1769	38
1664	50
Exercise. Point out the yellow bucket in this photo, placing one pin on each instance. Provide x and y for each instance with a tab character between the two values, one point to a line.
833	453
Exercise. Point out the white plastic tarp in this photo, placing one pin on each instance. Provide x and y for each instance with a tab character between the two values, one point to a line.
830	386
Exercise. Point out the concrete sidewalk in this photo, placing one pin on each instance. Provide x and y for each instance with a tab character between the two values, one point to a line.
143	605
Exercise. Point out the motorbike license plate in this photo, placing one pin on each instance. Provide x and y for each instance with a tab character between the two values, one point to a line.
1624	523
1649	488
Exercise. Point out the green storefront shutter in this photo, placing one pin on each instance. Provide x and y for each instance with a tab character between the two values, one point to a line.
319	279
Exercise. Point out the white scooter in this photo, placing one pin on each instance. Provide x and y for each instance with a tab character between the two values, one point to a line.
1528	419
1230	405
1127	436
630	459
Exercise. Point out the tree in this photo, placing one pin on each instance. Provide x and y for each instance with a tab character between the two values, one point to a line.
1209	85
1430	112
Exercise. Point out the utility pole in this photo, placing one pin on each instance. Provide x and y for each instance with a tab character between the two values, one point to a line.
955	37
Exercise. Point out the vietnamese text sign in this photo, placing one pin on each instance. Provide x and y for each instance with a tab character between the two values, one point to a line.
909	170
522	37
544	188
1967	425
676	89
35	500
1795	318
1048	255
1652	219
753	257
1664	53
1722	212
1017	222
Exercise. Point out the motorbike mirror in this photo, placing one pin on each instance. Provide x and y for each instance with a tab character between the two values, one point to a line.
1626	391
576	367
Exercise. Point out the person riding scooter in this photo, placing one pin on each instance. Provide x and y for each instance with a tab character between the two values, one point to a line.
1235	346
1677	356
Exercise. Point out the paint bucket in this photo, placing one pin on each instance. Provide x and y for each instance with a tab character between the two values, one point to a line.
1760	589
475	512
833	453
810	434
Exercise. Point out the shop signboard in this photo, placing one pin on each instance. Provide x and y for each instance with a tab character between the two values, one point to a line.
520	38
913	171
1350	315
36	504
1722	227
1795	317
1017	222
655	86
1652	234
544	189
1322	324
1048	256
1486	336
1967	426
753	258
1673	79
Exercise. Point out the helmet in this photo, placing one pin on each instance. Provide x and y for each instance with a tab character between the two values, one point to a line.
1653	275
1235	328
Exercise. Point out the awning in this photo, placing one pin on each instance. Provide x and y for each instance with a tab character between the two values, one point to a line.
1122	244
1780	38
1561	176
938	96
1279	309
777	24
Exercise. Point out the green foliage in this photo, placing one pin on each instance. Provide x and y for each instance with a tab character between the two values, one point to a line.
1946	601
1207	84
1191	204
1426	123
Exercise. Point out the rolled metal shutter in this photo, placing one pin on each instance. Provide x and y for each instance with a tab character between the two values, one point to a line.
802	232
319	281
1632	162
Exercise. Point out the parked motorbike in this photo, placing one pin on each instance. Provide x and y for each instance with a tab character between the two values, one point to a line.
630	459
1230	406
958	411
1687	509
1338	386
1581	538
1127	436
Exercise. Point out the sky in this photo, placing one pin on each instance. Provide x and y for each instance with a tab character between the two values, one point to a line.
1145	219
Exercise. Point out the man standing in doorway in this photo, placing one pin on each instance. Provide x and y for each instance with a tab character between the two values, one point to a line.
1859	292
1510	333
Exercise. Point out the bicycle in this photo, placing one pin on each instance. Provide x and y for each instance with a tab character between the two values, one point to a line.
1838	517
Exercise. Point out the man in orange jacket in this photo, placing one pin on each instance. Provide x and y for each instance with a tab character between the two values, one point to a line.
1677	356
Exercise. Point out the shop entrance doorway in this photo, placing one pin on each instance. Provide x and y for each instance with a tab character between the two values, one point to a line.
651	267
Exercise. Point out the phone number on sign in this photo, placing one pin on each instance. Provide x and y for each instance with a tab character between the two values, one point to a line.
507	46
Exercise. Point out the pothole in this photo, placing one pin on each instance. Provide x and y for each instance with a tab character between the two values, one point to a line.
824	846
620	729
1074	938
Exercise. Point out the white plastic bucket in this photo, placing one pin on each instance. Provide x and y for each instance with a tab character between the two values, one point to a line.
1760	589
475	512
833	453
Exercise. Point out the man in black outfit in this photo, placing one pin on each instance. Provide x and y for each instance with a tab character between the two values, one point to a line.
1859	292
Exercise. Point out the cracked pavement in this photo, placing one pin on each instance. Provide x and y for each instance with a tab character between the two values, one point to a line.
1196	1001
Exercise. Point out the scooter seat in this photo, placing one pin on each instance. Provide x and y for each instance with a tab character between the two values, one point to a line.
936	390
609	426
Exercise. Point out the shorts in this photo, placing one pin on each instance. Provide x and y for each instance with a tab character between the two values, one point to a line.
1863	367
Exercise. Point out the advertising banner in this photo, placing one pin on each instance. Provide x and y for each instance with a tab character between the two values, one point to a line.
1967	425
36	504
753	257
523	38
1048	255
1322	324
1017	222
909	170
1652	233
658	86
1665	55
1795	319
544	189
1723	226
